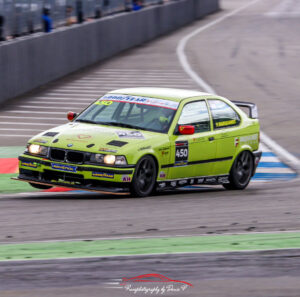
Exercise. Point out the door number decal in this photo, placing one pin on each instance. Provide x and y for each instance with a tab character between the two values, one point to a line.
181	152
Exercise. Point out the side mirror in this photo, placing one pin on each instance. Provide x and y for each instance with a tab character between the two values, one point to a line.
71	115
186	129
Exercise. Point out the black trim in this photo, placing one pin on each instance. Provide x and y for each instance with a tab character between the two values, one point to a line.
199	162
80	168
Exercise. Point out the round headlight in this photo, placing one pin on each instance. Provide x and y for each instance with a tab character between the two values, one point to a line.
34	149
109	159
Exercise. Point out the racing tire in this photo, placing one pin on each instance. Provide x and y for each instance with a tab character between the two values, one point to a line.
144	178
40	187
241	172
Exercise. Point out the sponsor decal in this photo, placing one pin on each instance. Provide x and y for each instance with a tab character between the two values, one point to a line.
141	100
223	180
104	149
104	102
162	185
200	180
162	174
210	180
63	167
181	152
154	284
103	174
29	164
182	182
250	138
69	144
84	136
236	141
226	123
145	148
40	140
192	181
173	183
126	178
130	134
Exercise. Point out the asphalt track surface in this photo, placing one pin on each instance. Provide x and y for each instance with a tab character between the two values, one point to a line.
252	54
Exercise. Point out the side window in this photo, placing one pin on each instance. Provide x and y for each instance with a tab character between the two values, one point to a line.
223	115
195	114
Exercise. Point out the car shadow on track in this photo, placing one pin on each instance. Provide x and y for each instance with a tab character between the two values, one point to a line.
98	196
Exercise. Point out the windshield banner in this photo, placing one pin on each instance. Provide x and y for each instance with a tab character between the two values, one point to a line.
140	100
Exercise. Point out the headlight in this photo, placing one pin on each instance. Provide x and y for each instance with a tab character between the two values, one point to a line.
108	159
36	149
121	160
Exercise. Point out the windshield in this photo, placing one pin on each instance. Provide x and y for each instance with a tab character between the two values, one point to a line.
131	112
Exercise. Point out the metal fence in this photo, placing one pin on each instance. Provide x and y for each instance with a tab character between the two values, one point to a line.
21	17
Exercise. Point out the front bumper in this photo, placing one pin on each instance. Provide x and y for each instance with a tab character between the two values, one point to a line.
88	177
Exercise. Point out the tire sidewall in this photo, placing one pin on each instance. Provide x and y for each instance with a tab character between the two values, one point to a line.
134	188
233	176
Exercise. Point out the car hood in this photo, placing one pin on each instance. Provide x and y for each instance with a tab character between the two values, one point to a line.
95	138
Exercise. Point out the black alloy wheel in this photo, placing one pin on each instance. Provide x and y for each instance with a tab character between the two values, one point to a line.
241	172
144	177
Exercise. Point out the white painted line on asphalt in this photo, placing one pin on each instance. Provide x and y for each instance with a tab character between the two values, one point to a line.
25	123
280	151
33	118
61	97
276	170
284	154
58	103
44	107
55	99
16	135
12	129
25	111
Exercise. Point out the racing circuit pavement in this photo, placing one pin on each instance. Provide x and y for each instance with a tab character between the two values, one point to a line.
251	55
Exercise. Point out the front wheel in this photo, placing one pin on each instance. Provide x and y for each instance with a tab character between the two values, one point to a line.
144	178
241	172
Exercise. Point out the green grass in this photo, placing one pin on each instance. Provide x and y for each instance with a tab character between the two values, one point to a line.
100	248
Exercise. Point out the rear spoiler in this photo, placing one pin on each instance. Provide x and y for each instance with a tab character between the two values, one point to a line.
253	113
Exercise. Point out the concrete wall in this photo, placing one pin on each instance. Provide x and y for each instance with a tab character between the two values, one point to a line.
33	61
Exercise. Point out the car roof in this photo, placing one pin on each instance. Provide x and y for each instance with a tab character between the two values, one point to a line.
160	93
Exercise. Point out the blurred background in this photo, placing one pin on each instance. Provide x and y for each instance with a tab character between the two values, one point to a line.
21	17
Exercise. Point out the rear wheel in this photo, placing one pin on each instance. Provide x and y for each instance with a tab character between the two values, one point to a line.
144	178
40	187
241	172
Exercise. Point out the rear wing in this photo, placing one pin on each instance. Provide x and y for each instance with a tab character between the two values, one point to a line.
252	108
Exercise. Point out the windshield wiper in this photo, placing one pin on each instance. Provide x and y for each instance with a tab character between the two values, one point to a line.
86	121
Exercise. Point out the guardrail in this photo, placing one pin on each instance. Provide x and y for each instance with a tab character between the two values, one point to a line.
25	16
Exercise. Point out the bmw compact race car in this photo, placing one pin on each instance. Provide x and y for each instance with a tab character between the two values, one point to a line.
140	140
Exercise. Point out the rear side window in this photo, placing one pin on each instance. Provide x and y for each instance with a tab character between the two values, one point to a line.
223	115
195	114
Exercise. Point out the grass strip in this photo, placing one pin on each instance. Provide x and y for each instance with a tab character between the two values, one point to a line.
118	247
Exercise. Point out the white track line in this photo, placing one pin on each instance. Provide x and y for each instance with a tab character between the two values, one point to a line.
283	153
33	118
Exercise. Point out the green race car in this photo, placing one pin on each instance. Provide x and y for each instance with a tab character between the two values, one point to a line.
143	139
